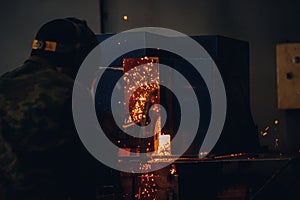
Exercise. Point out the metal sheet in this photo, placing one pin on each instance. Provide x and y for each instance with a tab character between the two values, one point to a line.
288	75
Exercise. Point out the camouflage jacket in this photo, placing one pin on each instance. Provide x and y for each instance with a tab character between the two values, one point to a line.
36	130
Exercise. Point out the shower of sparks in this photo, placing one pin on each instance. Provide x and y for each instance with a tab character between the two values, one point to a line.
173	170
147	187
141	87
265	132
141	96
141	92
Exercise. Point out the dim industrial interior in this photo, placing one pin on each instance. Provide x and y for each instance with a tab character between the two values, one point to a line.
256	48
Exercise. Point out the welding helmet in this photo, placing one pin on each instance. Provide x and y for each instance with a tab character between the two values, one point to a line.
64	43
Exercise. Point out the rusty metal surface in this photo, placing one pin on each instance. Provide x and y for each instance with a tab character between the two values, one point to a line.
288	75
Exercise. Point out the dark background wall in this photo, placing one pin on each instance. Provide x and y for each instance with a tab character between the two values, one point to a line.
262	23
20	20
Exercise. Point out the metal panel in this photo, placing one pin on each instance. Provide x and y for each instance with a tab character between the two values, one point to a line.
288	75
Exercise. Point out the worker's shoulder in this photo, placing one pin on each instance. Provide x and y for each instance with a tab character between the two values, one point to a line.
34	83
34	73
